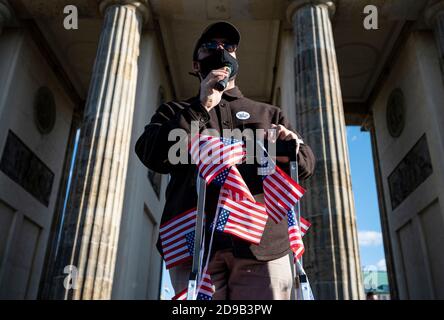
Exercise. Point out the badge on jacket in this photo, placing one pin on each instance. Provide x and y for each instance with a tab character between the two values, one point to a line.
243	115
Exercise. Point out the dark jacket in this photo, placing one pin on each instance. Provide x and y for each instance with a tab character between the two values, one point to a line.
152	149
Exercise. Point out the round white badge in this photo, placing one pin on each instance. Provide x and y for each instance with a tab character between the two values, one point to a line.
243	115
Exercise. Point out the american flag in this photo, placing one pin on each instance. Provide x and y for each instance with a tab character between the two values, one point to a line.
214	155
243	218
216	159
177	238
231	179
181	295
294	235
205	290
281	193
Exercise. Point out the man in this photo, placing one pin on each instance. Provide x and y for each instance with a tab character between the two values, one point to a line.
238	269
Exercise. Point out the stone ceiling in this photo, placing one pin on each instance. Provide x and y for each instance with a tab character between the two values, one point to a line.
361	54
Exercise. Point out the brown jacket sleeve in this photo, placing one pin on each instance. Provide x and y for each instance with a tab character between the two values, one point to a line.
153	146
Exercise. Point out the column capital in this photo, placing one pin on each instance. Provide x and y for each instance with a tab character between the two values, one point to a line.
140	5
432	11
5	14
297	4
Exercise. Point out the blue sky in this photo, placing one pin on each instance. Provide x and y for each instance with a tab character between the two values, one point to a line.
366	204
366	199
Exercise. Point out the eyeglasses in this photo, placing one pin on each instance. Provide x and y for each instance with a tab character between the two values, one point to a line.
213	45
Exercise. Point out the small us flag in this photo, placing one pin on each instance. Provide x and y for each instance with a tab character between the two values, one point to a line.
177	238
231	179
281	193
243	218
205	290
295	236
213	155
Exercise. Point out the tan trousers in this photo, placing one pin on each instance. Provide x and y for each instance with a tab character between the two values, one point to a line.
242	279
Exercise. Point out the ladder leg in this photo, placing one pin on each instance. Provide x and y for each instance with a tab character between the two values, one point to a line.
198	236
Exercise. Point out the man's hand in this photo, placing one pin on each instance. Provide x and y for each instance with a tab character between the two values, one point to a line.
210	97
283	133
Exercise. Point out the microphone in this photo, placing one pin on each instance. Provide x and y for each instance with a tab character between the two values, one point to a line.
222	84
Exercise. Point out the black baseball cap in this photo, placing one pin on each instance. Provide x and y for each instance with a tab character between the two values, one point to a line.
218	29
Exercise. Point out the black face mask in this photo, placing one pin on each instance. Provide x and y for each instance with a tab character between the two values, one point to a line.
217	60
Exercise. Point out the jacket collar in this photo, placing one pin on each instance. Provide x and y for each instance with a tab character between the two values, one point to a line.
234	93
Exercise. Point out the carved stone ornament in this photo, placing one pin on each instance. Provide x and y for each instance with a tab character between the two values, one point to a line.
396	113
44	110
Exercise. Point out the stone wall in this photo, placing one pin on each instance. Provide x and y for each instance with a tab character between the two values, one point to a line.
31	169
412	167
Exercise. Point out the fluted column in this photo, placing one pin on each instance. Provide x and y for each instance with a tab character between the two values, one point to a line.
91	228
332	258
434	15
5	14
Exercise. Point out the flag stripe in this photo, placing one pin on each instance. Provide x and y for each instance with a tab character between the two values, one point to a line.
177	262
248	210
274	208
177	220
277	193
274	196
236	184
180	233
173	248
248	227
181	295
299	190
184	228
242	235
272	211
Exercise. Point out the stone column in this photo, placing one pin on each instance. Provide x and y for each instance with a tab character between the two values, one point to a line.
434	15
332	258
91	227
5	14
